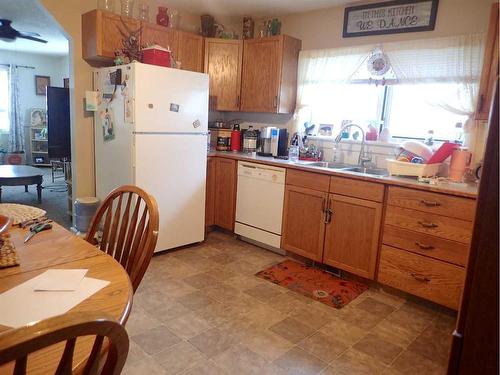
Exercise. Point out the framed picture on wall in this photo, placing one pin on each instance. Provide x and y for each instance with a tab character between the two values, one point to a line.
38	117
41	83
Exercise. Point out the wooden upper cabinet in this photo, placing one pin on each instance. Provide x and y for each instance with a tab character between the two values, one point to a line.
225	192
269	78
102	34
190	52
161	35
352	234
489	73
304	222
223	59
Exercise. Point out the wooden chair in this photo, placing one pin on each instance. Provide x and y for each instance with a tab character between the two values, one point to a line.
129	221
17	344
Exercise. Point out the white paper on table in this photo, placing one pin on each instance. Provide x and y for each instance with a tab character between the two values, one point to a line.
59	280
22	305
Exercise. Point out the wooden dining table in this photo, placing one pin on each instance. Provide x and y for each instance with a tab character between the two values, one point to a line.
58	248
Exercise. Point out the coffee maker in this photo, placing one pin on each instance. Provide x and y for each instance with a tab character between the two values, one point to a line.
273	142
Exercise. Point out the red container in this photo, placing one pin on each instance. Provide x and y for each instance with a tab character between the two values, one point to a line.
156	55
236	140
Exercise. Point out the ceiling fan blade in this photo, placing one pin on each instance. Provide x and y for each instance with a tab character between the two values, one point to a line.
32	38
28	33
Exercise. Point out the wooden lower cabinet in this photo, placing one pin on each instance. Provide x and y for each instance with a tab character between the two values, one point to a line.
352	234
422	276
304	222
225	193
210	193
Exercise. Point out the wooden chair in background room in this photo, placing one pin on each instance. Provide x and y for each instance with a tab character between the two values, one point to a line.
16	345
129	221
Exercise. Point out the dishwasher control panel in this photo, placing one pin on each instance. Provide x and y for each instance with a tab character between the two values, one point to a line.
262	172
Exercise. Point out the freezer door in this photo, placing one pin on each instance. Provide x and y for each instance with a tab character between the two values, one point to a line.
170	100
172	168
113	153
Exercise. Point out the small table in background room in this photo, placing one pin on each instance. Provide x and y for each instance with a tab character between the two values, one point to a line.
18	175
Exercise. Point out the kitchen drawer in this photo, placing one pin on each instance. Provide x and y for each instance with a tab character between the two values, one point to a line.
424	277
441	204
431	246
357	188
423	222
310	180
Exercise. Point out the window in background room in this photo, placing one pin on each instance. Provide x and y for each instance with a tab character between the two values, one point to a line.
4	98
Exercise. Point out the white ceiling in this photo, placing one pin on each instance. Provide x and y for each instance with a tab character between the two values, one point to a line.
251	7
28	15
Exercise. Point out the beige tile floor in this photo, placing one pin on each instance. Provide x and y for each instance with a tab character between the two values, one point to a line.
201	310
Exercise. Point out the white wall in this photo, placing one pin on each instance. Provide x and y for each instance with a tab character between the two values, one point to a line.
56	67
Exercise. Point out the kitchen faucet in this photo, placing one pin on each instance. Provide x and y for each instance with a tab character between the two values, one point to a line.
362	157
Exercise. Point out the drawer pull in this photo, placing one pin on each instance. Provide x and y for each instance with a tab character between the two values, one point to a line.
420	277
428	225
430	203
424	246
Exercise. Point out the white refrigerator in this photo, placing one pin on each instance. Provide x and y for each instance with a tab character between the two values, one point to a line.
151	131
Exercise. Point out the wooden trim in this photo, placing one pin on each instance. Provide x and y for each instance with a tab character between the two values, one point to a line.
357	188
310	180
489	72
474	347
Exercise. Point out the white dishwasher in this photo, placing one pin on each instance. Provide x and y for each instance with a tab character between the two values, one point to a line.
259	204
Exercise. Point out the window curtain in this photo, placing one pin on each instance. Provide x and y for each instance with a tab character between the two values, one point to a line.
455	59
16	132
450	59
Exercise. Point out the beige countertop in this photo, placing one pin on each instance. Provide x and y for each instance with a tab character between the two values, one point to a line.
468	190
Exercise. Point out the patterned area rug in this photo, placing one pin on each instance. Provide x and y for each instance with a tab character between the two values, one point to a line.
313	283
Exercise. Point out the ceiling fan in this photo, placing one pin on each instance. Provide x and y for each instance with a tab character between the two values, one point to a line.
9	34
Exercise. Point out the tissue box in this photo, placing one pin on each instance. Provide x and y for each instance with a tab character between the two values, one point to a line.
156	55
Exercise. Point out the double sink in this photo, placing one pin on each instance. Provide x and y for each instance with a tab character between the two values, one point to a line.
344	167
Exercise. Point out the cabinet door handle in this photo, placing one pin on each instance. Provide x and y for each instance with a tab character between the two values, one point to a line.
328	216
323	205
424	246
420	277
430	203
428	225
275	101
238	101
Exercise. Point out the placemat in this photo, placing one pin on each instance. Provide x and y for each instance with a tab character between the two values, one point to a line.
8	255
20	212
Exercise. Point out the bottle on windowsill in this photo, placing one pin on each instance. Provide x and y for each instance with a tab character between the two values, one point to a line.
429	140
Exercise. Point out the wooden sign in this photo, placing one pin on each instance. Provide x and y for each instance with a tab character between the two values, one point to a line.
390	17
